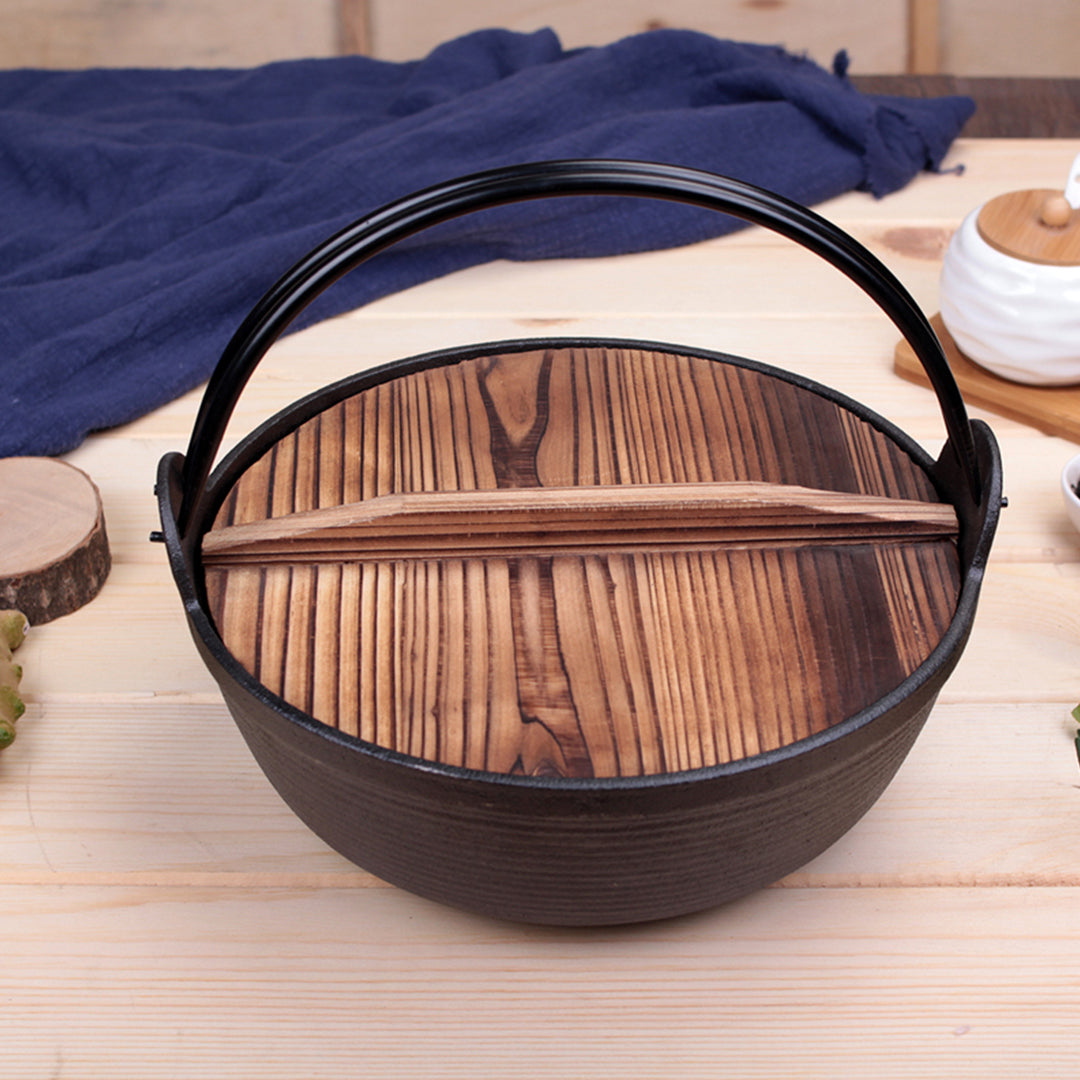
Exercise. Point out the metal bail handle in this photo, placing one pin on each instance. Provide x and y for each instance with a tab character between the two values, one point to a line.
397	220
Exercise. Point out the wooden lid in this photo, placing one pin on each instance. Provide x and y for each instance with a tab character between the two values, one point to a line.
583	561
1038	226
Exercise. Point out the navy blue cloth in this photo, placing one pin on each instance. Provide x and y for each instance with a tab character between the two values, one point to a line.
144	212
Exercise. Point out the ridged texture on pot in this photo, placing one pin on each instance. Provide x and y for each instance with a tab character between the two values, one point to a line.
586	856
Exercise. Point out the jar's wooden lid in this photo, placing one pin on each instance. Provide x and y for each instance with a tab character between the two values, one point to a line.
1037	226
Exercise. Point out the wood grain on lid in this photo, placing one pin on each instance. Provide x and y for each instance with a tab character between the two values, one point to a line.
631	660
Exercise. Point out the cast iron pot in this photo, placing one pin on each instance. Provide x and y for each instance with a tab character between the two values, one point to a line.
573	849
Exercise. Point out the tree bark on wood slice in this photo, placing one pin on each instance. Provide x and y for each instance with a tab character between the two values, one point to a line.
54	551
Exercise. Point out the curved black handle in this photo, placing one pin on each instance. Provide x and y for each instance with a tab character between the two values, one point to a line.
382	228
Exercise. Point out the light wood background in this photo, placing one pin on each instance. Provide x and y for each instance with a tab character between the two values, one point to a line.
960	37
165	915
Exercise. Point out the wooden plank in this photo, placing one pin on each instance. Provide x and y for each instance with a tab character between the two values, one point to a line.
775	984
354	26
125	789
1036	107
876	38
924	37
164	33
132	638
998	38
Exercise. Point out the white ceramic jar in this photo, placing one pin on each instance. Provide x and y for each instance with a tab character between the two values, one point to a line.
1010	297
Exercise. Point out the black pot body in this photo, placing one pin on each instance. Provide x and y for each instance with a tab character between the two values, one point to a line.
576	852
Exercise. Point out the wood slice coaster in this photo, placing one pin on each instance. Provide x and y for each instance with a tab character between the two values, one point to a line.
761	563
1054	410
54	553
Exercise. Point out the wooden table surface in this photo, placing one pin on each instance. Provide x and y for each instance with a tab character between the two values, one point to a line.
165	915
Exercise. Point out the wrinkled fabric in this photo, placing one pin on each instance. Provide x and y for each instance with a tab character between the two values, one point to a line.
144	212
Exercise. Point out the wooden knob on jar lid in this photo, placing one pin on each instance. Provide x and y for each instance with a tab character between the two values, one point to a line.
1055	212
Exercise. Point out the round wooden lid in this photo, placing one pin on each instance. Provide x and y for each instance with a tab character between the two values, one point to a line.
583	560
54	554
1038	226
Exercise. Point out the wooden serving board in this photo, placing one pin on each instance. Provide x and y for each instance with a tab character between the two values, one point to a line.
508	636
1052	409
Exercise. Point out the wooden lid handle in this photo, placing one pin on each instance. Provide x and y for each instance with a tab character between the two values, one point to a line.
459	524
